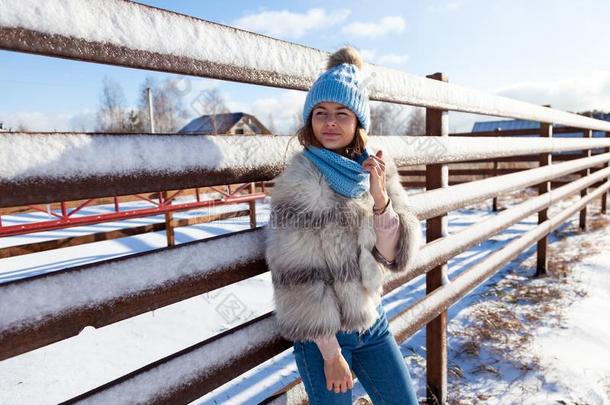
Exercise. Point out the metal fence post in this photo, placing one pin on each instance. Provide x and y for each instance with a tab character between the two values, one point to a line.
604	209
252	204
545	159
587	133
437	176
494	201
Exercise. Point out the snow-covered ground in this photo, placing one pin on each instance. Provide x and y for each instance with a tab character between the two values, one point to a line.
546	348
528	340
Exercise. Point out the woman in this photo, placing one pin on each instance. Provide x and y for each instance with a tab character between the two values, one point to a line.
339	223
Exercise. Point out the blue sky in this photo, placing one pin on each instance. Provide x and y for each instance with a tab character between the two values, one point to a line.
543	51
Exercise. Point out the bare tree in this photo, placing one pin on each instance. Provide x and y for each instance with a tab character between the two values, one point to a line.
21	127
210	102
387	119
271	124
134	122
594	113
168	106
417	122
297	123
111	116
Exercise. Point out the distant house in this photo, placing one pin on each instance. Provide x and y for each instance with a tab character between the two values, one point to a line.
229	123
2	129
507	125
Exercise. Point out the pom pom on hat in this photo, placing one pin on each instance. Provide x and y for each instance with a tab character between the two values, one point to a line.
342	84
345	55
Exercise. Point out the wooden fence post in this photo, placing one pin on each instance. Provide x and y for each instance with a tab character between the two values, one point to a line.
169	217
252	207
437	176
545	159
605	195
587	133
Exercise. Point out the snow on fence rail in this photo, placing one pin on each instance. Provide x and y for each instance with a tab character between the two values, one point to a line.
37	311
128	164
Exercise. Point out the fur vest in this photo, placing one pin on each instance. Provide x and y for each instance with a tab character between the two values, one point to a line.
318	249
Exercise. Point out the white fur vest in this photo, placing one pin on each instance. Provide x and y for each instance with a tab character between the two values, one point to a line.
318	249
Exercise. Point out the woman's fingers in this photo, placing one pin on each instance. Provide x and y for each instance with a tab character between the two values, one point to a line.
375	172
337	386
378	160
333	384
340	385
374	161
369	164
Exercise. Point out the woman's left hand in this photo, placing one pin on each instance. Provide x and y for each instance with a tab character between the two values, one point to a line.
375	165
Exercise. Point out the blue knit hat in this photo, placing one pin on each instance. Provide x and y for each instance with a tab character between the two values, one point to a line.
342	84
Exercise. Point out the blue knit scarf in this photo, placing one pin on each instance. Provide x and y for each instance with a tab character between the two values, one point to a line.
343	175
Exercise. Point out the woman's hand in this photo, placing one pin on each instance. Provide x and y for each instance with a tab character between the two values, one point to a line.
375	165
338	374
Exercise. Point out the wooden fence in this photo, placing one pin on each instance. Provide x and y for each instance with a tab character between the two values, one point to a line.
38	311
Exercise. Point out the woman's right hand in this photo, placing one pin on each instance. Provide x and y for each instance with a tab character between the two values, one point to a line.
338	374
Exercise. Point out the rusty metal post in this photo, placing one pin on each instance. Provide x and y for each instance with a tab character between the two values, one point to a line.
252	207
604	209
545	159
494	203
437	176
587	133
169	217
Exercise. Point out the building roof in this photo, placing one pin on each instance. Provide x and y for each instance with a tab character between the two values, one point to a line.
224	122
506	125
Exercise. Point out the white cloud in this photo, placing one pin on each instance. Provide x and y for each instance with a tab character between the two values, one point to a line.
393	59
286	24
84	121
49	121
285	110
386	25
368	54
573	94
444	6
371	56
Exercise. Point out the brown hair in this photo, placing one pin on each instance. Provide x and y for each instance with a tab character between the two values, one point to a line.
306	137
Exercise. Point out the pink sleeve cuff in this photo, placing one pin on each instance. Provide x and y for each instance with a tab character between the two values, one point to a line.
387	221
387	230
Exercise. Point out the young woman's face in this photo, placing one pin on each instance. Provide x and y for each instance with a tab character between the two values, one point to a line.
334	125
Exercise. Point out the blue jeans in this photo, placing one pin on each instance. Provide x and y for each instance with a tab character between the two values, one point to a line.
374	357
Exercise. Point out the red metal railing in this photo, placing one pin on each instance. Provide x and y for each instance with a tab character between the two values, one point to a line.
67	220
